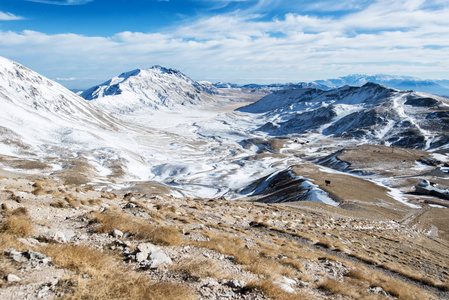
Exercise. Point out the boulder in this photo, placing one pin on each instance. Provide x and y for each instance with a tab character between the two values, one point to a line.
13	278
158	258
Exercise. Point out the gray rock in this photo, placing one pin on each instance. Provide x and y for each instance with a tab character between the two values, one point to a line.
158	258
14	254
36	257
59	237
377	290
141	256
236	283
210	282
13	278
68	234
117	234
29	242
147	248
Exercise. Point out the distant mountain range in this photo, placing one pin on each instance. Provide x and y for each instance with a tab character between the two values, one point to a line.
158	124
371	113
436	87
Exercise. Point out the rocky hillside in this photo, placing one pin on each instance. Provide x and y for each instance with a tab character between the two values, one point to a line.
372	113
73	242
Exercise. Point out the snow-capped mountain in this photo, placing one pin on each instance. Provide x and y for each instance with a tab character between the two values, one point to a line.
155	88
372	113
36	110
437	87
196	150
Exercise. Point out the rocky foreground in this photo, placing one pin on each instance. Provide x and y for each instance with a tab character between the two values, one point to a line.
74	242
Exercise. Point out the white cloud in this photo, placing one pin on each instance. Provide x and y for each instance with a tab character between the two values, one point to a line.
6	16
395	38
62	2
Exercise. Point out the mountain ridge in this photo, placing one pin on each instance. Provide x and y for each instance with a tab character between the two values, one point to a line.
157	88
372	112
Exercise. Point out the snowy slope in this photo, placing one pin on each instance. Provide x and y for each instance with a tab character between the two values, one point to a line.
156	88
372	113
36	110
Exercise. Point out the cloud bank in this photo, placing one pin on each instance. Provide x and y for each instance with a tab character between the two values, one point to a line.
400	37
6	16
62	2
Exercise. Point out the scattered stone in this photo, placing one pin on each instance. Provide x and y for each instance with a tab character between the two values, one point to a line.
14	254
158	258
60	236
117	234
236	284
29	242
36	257
378	290
303	284
13	278
141	256
149	255
210	282
147	247
285	287
130	205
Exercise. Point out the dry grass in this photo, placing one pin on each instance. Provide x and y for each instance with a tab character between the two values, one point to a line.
5	269
101	276
336	287
274	291
17	225
19	212
395	287
200	267
251	258
58	204
138	228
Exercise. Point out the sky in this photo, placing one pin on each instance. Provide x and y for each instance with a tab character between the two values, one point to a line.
81	43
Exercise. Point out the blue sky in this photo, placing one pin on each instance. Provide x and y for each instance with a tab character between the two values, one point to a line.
81	43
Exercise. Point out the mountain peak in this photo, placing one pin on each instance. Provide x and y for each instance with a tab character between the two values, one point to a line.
156	87
165	70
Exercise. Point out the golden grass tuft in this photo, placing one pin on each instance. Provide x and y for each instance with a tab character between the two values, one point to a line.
274	291
200	267
5	207
20	212
5	269
58	204
102	276
141	230
228	245
336	287
19	226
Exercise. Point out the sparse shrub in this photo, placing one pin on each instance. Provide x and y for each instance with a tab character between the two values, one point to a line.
20	211
58	204
5	207
336	287
95	202
274	291
200	267
101	276
19	226
161	235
